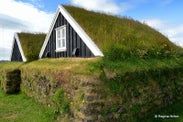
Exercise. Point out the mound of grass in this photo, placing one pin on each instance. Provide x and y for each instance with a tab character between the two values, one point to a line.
120	38
138	84
31	44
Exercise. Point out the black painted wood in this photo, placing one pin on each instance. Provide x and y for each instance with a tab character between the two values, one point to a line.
72	41
16	55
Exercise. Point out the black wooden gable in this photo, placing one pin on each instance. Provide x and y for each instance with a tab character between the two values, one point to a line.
16	55
75	47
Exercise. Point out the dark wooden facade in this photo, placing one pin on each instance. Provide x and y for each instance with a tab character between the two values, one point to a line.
16	55
75	47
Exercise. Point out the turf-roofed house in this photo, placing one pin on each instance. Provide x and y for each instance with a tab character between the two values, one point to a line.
66	38
26	46
76	32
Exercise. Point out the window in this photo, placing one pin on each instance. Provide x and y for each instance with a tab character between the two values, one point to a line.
61	38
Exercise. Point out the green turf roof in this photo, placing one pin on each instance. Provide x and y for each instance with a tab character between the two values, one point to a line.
106	30
31	44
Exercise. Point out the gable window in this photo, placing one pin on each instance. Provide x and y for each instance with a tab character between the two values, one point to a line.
61	38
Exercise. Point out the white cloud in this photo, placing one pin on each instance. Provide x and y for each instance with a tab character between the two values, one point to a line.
34	18
176	34
16	16
9	22
155	23
107	6
172	31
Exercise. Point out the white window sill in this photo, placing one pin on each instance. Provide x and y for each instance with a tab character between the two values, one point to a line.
61	50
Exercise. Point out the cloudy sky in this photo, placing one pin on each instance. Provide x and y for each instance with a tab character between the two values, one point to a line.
36	16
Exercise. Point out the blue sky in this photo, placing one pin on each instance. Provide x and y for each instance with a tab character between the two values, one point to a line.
36	16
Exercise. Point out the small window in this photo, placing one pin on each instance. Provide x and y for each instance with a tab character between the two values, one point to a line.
61	38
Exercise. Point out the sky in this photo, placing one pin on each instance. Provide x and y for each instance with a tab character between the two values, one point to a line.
37	15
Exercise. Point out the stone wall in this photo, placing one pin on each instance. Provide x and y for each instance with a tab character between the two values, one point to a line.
83	92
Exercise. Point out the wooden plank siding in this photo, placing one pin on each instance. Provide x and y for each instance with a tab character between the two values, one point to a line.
72	41
16	55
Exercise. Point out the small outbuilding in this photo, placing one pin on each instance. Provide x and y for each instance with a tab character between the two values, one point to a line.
26	46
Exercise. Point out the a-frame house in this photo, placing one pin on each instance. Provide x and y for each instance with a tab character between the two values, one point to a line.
66	38
26	46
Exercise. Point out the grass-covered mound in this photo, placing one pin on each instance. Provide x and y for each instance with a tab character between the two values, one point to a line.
121	38
93	89
31	44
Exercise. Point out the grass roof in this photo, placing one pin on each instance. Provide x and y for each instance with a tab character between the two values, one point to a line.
109	31
31	44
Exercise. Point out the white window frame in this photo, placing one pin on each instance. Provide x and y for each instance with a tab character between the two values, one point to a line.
61	39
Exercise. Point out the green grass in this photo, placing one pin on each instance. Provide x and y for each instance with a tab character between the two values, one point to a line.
135	64
92	66
126	36
85	66
20	108
31	44
174	109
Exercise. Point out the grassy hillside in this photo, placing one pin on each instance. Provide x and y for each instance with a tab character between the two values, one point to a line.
31	44
123	36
